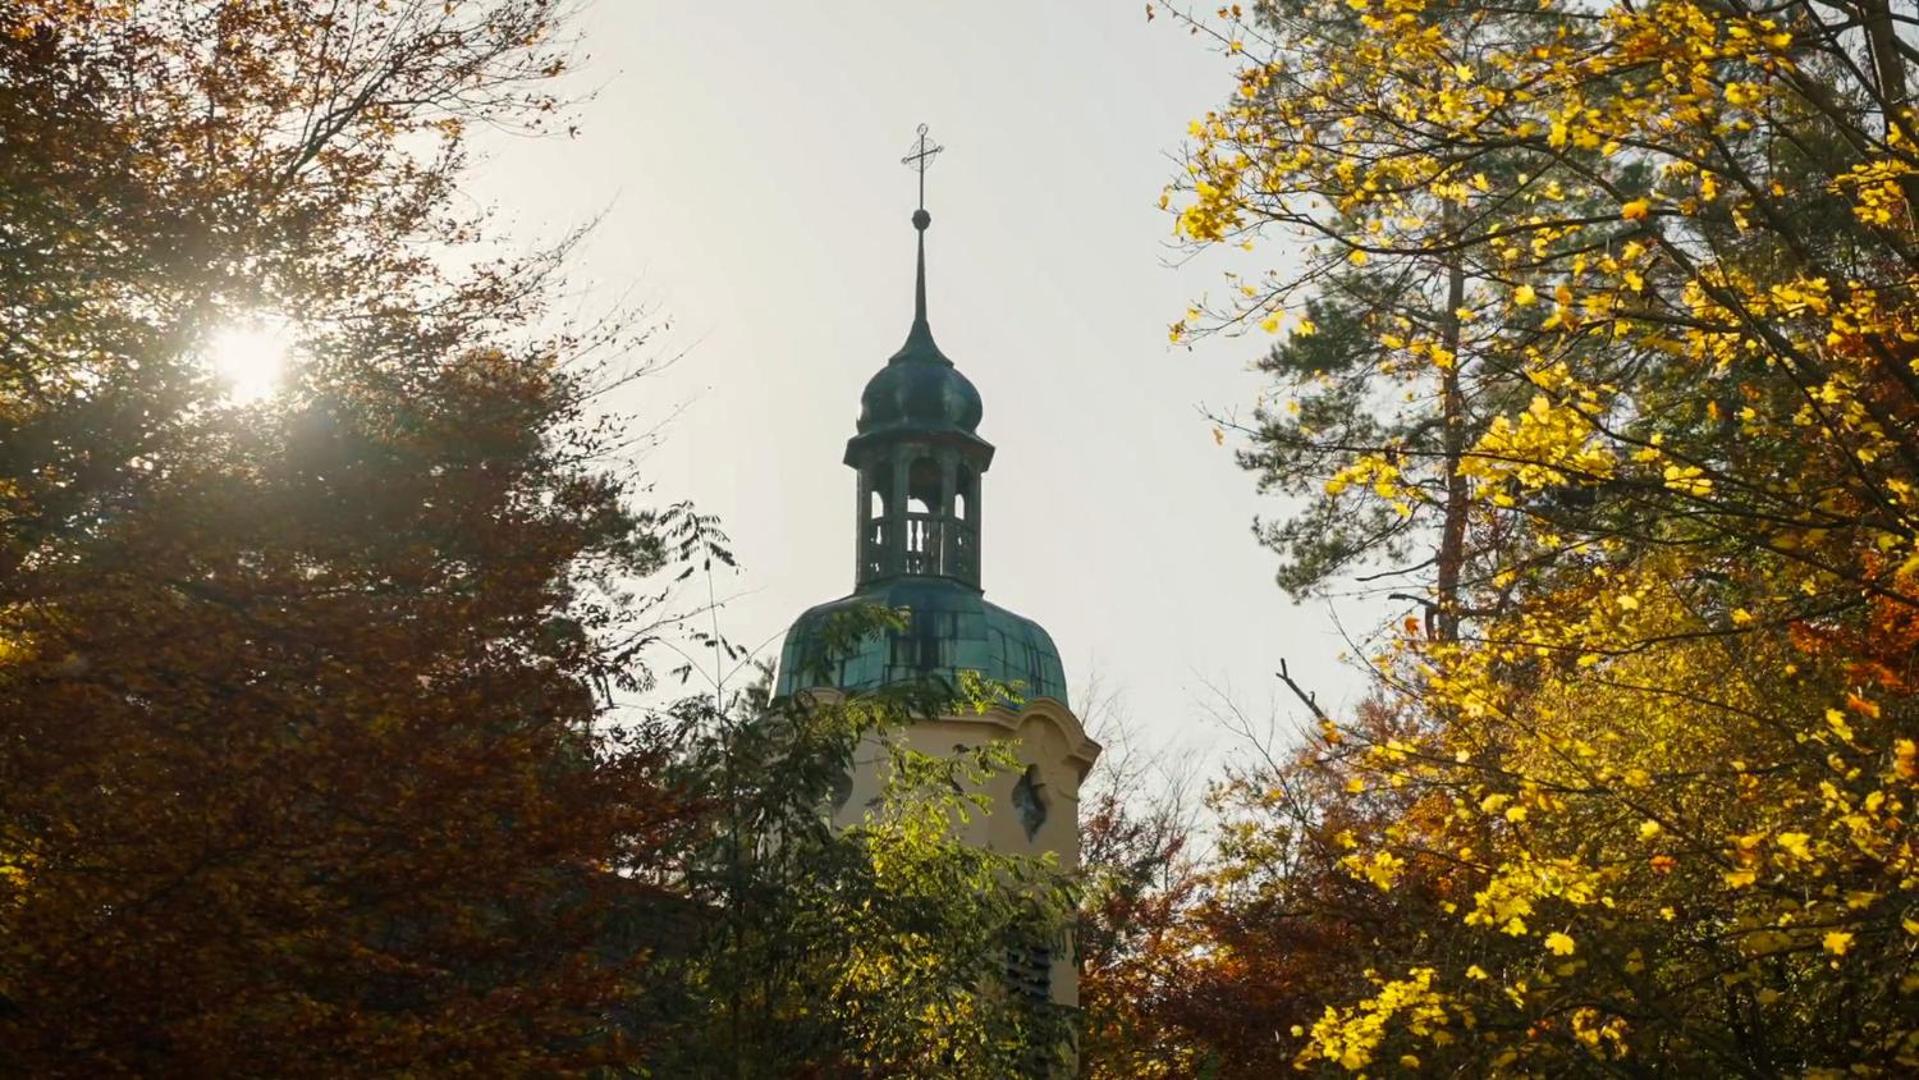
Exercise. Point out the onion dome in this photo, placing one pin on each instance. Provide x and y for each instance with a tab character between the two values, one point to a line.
919	393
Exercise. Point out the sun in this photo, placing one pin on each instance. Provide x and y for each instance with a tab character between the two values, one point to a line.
249	359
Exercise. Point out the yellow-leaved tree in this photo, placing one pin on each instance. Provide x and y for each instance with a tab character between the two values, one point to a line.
1658	775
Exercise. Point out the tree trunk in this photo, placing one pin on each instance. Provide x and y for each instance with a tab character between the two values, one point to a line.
1443	619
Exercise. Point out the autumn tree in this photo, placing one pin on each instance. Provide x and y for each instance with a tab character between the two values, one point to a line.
1664	760
1226	963
297	768
879	948
1140	880
1344	398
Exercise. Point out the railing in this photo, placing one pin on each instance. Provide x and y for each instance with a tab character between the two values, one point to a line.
932	545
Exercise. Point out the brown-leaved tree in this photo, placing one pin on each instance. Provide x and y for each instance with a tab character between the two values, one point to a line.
297	770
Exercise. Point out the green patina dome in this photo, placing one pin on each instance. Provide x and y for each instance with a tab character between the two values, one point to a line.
919	391
950	628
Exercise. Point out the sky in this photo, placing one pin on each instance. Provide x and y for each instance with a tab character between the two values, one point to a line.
746	160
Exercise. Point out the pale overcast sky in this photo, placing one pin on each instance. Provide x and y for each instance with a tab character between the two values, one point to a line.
747	155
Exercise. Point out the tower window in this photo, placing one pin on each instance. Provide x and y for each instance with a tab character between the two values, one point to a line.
842	789
1027	802
1029	971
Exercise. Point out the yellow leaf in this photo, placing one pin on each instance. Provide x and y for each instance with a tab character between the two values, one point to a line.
1560	944
1836	720
1635	210
1837	942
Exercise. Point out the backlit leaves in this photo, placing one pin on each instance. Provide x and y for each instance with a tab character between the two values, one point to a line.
1661	774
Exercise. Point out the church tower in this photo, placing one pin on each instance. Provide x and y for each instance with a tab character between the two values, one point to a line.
918	535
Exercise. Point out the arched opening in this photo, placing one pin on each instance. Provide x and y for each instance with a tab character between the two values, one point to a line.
876	530
923	494
964	544
879	486
924	498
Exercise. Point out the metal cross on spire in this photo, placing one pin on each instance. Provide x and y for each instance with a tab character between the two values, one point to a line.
924	150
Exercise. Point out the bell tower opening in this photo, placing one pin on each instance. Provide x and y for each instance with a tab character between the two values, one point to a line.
919	512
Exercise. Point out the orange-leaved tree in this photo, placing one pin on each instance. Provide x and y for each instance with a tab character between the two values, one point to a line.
297	768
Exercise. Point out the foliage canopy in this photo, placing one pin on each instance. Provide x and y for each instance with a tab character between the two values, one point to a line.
1639	281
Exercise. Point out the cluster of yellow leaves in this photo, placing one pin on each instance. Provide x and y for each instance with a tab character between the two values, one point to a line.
1350	1037
1551	443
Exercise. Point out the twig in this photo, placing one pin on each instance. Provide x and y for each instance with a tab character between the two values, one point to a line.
1301	693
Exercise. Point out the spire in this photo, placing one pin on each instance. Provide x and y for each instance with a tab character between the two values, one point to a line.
921	219
919	341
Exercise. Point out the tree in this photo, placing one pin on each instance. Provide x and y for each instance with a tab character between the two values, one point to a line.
878	949
299	769
1139	885
1663	764
1348	412
1231	960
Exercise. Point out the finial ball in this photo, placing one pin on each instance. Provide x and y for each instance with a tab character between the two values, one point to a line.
921	219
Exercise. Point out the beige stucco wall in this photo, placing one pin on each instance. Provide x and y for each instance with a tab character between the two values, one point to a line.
1048	737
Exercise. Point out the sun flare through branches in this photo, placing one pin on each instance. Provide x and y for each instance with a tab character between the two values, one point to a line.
249	359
